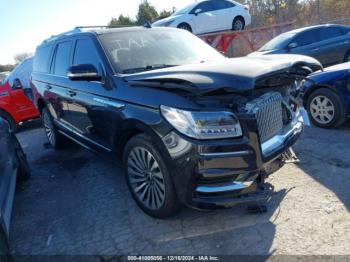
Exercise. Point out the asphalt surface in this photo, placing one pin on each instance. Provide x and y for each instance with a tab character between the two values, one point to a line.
78	204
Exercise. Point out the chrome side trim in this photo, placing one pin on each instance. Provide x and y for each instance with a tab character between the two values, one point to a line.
225	154
109	103
224	188
79	135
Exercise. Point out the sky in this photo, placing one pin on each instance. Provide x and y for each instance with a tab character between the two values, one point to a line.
26	23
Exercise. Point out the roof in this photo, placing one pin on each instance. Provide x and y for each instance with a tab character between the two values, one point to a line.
299	30
96	30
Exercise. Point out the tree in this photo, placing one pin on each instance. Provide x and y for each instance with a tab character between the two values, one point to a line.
122	21
146	13
165	13
21	57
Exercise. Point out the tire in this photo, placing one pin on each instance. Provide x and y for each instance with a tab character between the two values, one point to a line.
238	24
56	140
148	178
185	26
23	171
326	108
9	120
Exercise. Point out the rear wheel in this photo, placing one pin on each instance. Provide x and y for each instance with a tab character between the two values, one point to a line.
185	26
148	178
56	139
9	120
238	24
326	108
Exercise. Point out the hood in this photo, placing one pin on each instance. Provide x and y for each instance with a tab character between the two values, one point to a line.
268	52
339	67
232	75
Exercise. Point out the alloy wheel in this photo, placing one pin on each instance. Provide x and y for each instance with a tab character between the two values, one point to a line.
146	178
238	25
48	128
322	109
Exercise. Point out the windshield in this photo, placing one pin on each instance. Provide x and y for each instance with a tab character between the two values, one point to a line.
278	42
141	50
184	10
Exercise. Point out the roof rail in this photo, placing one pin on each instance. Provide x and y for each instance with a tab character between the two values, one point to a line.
54	37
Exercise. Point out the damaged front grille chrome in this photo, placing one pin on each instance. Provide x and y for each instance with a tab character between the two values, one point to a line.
268	110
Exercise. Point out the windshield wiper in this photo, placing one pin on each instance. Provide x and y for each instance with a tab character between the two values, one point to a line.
146	68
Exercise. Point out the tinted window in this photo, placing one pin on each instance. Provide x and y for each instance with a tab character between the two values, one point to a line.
222	4
62	58
85	53
22	72
307	38
41	59
205	6
330	32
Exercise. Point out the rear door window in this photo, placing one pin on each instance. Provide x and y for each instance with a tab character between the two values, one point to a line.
62	59
330	32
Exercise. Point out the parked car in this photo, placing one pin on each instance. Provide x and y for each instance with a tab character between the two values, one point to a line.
327	96
15	94
330	44
209	16
191	126
13	166
3	75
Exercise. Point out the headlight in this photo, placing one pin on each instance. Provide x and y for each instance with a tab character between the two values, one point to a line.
203	125
167	23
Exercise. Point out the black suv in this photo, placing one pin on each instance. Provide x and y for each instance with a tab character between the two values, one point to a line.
191	126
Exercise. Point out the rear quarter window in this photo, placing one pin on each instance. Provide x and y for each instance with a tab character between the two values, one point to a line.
42	59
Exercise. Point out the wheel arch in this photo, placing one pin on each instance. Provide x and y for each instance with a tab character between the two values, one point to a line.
240	17
313	88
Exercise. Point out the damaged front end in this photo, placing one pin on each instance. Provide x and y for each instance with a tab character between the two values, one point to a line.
213	173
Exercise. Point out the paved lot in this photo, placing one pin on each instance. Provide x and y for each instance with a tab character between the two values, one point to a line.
77	203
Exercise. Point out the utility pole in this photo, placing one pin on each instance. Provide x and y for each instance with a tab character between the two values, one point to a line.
319	12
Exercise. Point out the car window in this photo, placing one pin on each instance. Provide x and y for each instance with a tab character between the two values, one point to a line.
23	72
62	58
330	32
307	38
85	53
206	6
221	4
42	59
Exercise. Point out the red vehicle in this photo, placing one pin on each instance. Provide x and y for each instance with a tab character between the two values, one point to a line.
15	103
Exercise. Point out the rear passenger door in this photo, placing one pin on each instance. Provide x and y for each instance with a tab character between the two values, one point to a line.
57	91
333	46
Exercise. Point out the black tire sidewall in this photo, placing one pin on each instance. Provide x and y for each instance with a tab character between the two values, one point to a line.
9	120
339	114
187	27
23	171
170	205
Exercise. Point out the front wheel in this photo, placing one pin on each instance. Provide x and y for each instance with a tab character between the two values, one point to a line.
326	109
185	27
148	178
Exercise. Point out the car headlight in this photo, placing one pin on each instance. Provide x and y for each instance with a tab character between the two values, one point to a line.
203	125
167	23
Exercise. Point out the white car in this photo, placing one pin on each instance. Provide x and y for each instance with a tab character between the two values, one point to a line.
209	16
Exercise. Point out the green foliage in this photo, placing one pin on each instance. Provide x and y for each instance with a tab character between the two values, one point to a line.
122	21
146	13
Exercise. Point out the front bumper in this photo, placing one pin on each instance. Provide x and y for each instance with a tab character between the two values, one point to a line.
224	173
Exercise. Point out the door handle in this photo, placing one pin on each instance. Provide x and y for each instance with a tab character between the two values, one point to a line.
72	93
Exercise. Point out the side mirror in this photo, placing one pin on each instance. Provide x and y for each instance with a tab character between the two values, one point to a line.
17	84
198	11
292	45
85	72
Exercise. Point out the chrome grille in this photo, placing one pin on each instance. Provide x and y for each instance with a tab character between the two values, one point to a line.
269	114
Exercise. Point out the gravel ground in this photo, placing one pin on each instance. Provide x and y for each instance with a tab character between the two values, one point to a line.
78	204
